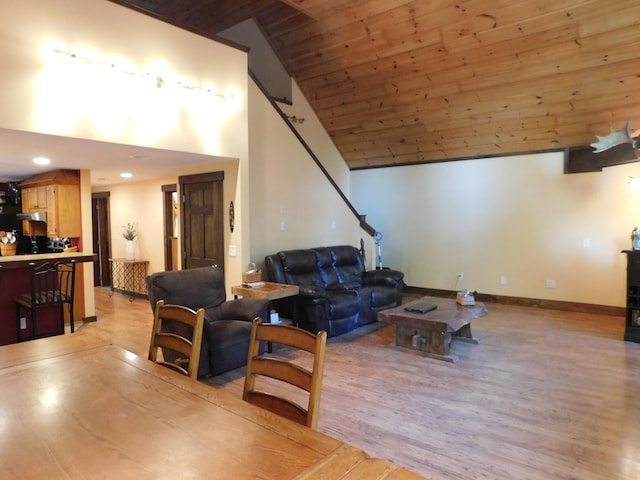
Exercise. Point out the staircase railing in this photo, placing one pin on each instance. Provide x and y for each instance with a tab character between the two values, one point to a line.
361	218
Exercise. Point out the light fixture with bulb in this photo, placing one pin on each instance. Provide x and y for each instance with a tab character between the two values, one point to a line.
41	161
157	81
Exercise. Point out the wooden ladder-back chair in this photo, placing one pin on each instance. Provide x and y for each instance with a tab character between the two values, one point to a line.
288	372
185	350
52	284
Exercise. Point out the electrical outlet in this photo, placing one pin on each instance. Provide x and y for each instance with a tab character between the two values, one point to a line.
460	276
586	242
503	280
283	226
23	323
551	284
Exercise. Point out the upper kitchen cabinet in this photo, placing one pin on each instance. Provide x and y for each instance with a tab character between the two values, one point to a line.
57	193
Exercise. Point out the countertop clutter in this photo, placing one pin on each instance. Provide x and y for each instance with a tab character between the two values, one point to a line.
21	261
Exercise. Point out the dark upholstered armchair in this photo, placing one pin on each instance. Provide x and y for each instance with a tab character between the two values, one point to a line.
227	324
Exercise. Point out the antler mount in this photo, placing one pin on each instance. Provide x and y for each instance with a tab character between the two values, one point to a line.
616	137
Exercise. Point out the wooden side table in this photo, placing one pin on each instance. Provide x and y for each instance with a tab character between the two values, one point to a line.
269	291
129	276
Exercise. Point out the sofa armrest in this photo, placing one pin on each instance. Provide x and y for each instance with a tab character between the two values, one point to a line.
244	309
390	278
344	287
314	291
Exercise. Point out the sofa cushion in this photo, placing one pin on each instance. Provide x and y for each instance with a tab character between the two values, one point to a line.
324	263
343	304
300	267
347	264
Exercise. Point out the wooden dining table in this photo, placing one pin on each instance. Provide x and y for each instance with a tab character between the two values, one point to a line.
75	406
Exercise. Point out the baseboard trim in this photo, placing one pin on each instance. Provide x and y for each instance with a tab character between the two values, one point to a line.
526	302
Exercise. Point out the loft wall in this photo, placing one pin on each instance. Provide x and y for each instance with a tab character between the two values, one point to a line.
518	217
48	92
287	187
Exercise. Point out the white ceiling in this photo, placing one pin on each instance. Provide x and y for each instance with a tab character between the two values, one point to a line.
104	160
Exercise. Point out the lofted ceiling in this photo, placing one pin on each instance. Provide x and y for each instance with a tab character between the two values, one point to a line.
398	82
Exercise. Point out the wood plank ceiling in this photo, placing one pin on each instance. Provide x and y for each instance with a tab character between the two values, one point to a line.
399	82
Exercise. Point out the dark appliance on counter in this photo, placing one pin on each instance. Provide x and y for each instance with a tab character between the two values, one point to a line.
36	244
57	245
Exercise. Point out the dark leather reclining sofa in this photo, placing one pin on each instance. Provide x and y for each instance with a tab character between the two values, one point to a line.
227	324
337	294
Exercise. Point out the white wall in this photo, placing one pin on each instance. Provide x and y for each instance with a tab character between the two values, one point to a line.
518	217
140	203
47	92
288	188
314	134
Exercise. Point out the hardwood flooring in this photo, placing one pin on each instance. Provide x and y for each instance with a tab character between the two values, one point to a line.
545	395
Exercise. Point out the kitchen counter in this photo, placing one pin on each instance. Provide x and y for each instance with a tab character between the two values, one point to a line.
22	261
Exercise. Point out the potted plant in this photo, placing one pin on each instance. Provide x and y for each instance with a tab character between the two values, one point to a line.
130	232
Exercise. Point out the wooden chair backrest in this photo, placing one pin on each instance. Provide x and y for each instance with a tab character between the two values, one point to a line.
187	349
285	371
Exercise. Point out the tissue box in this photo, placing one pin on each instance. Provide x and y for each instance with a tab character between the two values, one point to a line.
465	299
250	277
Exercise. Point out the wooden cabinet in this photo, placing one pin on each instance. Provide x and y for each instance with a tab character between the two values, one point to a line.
63	211
57	194
632	322
34	199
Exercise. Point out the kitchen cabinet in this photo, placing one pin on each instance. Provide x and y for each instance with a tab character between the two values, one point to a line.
34	199
57	194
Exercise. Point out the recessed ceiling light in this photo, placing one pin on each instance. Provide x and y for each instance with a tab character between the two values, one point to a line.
126	175
41	161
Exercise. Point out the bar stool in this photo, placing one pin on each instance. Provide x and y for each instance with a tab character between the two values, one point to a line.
51	284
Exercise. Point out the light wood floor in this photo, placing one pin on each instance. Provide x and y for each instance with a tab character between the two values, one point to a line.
545	395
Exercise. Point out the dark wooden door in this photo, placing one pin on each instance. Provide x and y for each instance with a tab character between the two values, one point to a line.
202	220
170	200
101	235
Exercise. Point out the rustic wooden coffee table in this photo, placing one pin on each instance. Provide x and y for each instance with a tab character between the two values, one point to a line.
430	334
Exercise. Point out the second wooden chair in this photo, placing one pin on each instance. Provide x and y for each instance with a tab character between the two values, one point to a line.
309	380
180	348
